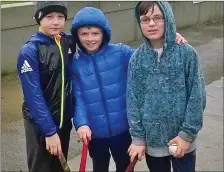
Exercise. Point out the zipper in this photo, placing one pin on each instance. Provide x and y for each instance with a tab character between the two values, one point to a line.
58	42
102	96
159	57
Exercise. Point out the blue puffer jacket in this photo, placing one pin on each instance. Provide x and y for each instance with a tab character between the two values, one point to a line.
100	80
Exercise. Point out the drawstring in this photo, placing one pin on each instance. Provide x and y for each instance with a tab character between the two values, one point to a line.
57	40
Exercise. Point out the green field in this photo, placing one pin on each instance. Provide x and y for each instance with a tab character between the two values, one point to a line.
12	2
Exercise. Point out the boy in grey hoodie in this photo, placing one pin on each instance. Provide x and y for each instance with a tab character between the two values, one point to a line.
165	93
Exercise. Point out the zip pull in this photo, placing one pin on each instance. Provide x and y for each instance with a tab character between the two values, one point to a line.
158	59
57	38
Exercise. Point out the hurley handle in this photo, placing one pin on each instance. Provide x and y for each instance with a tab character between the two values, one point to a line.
64	163
131	166
82	167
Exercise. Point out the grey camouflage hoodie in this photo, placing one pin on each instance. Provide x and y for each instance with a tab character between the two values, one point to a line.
166	97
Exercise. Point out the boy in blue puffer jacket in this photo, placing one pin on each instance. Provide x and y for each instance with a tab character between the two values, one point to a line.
165	93
99	78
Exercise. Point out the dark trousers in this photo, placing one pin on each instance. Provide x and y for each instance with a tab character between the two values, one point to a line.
99	150
38	158
163	164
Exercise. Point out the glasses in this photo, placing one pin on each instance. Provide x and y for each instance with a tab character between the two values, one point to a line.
156	19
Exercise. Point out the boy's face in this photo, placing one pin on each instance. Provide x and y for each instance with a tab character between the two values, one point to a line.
53	23
152	24
90	38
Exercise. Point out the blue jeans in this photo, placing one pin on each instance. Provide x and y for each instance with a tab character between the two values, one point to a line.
99	151
163	164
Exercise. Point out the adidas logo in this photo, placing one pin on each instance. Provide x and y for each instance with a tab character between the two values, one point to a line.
26	67
69	51
40	14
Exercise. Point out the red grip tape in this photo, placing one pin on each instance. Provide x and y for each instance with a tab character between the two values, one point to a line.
131	166
82	167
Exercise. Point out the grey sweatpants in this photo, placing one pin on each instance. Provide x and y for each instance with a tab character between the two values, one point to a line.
38	158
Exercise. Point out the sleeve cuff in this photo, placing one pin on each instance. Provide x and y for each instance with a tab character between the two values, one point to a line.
185	136
139	141
50	132
80	122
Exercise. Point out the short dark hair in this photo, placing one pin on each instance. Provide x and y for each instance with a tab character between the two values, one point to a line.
144	7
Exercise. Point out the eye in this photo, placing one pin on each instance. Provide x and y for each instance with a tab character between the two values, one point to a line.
83	33
144	20
157	17
49	16
95	33
61	16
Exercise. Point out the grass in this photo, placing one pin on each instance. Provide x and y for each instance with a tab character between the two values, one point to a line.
11	2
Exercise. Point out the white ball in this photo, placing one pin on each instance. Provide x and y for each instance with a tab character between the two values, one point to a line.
173	149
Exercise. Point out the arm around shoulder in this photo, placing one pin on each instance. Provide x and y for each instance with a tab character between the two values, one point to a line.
127	52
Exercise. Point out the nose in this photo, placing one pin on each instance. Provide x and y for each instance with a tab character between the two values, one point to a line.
151	22
55	21
90	37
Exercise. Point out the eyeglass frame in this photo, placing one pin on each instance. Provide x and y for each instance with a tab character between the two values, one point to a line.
161	19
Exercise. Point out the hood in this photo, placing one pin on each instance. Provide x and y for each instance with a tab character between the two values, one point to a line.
170	26
90	16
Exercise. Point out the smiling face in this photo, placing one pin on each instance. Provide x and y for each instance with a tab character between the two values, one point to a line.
53	23
152	23
90	38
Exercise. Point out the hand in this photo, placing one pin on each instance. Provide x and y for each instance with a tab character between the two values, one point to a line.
180	39
135	150
84	133
53	144
182	146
